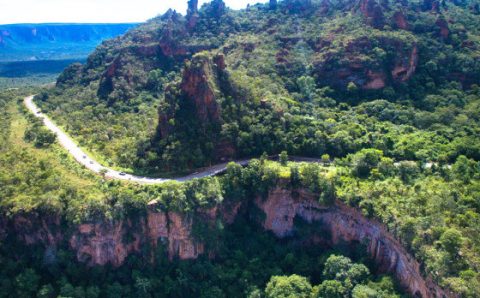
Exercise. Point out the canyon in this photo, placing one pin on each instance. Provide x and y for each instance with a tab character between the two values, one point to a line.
111	241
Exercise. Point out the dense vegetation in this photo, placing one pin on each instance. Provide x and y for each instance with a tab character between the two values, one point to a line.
311	82
433	210
39	178
390	94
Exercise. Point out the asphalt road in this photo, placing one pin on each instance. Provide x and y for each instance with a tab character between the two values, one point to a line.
94	166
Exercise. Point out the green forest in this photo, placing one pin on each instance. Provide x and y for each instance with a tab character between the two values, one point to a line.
384	94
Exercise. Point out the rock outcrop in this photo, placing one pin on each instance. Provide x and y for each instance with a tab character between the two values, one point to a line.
342	224
200	88
110	242
192	14
405	66
400	21
373	13
200	85
338	71
273	4
444	30
105	243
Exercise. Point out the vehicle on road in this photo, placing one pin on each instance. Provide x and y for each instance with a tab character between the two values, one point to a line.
123	173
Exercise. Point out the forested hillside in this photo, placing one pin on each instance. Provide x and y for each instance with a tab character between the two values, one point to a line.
386	93
308	77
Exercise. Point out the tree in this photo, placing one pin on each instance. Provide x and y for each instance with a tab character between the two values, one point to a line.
329	289
292	286
451	241
336	267
27	283
283	158
365	160
363	291
47	291
326	158
352	87
307	87
463	168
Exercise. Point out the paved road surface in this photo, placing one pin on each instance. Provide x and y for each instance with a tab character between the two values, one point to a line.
96	167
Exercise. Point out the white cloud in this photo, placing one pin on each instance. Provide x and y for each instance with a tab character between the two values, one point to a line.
93	11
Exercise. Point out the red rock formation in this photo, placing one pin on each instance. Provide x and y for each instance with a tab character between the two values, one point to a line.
107	242
376	80
405	68
199	84
339	70
104	243
431	5
192	14
345	224
34	229
442	24
373	13
400	20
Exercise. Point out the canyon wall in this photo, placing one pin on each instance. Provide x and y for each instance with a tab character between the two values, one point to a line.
110	242
341	224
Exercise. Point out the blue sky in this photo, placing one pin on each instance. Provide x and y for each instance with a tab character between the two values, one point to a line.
93	11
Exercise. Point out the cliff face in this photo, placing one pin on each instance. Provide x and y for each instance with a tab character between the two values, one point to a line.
342	224
339	70
200	85
199	89
110	243
105	242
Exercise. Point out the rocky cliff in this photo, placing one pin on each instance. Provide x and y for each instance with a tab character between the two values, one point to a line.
110	242
342	224
349	66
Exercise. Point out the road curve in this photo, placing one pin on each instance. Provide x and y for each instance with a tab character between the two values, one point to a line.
94	166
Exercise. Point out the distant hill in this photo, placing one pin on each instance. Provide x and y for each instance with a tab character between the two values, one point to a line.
25	42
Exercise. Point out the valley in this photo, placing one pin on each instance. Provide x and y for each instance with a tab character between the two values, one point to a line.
295	148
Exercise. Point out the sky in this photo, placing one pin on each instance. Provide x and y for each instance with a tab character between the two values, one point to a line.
94	11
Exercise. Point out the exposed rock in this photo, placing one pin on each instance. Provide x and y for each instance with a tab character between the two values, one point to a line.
35	229
338	70
200	85
400	20
442	24
373	13
405	66
297	6
376	80
104	243
342	224
325	6
107	242
217	8
192	14
273	4
431	5
219	61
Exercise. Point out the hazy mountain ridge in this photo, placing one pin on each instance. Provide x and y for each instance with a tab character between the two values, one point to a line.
54	41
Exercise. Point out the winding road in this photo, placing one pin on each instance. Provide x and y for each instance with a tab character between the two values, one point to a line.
84	159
